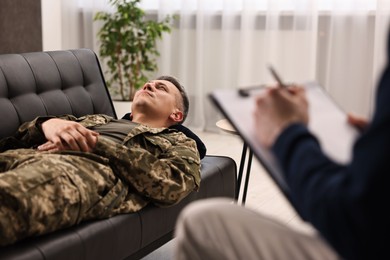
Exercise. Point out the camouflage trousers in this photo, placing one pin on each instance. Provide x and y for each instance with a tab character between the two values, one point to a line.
41	192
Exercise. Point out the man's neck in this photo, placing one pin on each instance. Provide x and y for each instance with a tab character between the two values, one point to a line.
148	121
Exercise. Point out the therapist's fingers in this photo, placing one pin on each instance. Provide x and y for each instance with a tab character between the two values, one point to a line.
359	122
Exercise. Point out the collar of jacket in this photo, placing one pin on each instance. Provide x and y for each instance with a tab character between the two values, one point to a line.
140	129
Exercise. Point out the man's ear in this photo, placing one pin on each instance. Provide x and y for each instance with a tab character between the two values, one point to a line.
176	116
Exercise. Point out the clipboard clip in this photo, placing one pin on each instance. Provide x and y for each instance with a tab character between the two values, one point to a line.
246	91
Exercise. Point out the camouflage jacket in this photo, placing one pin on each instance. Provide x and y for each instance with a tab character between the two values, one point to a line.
159	165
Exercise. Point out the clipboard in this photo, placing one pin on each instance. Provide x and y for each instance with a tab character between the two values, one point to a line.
327	121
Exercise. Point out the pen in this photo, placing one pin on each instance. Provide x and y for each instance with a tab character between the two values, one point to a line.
276	76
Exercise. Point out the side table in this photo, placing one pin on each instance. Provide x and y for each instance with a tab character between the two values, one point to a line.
224	125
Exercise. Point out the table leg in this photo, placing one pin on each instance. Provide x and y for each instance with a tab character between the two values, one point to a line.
241	170
248	172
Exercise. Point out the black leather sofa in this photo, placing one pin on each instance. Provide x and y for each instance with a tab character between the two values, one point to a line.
71	82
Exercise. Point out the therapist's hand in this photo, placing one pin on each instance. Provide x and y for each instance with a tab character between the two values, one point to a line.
275	109
359	122
67	135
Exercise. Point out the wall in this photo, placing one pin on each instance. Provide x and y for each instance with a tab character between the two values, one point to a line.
20	26
51	25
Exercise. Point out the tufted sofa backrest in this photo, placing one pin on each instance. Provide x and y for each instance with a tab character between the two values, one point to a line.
50	83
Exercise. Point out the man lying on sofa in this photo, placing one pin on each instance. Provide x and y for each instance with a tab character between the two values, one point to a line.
95	166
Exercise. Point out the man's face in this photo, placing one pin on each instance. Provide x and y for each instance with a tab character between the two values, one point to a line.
157	99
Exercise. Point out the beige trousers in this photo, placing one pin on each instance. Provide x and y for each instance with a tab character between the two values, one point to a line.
220	229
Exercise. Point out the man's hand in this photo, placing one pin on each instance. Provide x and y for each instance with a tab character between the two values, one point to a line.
67	135
277	108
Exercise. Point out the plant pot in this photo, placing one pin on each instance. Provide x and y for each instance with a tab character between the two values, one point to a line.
122	108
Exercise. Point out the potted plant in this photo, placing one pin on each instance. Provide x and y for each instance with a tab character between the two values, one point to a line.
128	45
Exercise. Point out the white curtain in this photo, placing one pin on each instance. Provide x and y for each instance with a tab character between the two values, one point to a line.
229	43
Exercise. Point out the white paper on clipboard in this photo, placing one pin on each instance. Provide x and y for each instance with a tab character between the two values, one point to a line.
327	121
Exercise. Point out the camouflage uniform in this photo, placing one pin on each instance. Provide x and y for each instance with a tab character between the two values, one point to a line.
41	191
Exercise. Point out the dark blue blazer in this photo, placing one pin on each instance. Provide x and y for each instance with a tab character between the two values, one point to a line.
346	203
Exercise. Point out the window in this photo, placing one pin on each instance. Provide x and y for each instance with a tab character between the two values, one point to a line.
262	5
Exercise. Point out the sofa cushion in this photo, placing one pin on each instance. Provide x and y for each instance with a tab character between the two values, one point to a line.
50	83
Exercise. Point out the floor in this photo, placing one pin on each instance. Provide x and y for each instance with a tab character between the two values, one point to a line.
263	195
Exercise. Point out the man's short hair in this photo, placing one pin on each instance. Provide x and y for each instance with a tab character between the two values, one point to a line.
185	100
